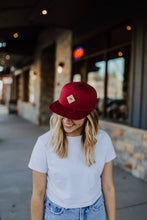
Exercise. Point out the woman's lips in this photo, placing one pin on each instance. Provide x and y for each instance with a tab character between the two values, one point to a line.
68	126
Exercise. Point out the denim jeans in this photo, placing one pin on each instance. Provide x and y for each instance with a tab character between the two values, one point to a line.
96	211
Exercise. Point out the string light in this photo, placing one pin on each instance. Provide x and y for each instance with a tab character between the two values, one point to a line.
44	12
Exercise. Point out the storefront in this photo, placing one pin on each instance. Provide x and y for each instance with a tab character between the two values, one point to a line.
105	64
113	61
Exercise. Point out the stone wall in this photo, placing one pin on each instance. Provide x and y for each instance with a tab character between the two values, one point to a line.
48	82
35	67
27	111
30	111
64	55
131	147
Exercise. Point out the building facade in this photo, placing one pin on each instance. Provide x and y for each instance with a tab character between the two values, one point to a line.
112	58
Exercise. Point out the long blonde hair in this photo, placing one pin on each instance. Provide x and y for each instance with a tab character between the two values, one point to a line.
59	139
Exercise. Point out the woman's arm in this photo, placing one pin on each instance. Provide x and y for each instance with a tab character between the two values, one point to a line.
109	191
38	194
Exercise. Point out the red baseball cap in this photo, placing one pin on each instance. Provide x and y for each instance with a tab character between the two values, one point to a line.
76	101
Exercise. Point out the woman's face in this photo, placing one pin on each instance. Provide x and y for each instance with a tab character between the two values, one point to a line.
72	127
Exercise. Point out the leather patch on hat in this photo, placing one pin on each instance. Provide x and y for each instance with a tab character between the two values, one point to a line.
70	99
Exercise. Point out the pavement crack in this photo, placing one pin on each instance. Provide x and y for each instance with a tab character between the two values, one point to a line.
138	204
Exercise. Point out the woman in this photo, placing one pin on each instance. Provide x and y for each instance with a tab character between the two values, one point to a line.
72	163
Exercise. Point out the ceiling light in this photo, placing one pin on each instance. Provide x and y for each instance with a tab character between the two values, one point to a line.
120	54
2	62
15	35
7	57
44	12
128	28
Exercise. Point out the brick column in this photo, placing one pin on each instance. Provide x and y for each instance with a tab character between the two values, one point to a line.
63	55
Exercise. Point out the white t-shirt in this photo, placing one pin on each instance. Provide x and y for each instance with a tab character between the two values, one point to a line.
70	182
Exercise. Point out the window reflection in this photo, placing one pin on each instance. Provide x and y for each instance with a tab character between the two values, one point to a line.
116	106
96	79
77	77
116	100
115	78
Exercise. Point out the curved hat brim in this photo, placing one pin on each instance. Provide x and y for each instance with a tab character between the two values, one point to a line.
59	109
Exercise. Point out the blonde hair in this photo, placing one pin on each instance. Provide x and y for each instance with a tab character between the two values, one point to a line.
59	139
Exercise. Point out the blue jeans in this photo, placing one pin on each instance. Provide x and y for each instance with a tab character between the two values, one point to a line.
96	211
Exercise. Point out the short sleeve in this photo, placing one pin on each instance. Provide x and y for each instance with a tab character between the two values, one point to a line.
38	160
110	151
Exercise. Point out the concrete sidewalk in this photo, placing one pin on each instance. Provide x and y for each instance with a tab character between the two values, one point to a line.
17	139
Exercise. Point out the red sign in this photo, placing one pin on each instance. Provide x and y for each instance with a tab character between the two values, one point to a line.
78	52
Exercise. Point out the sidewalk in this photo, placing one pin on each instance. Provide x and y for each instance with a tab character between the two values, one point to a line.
17	139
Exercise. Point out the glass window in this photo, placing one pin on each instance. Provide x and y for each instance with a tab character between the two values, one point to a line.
110	78
77	77
117	93
96	78
115	78
116	107
79	71
106	67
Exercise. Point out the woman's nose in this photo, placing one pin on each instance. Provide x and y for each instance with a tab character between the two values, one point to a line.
67	120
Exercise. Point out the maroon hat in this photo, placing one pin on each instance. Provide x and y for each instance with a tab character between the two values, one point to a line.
77	100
